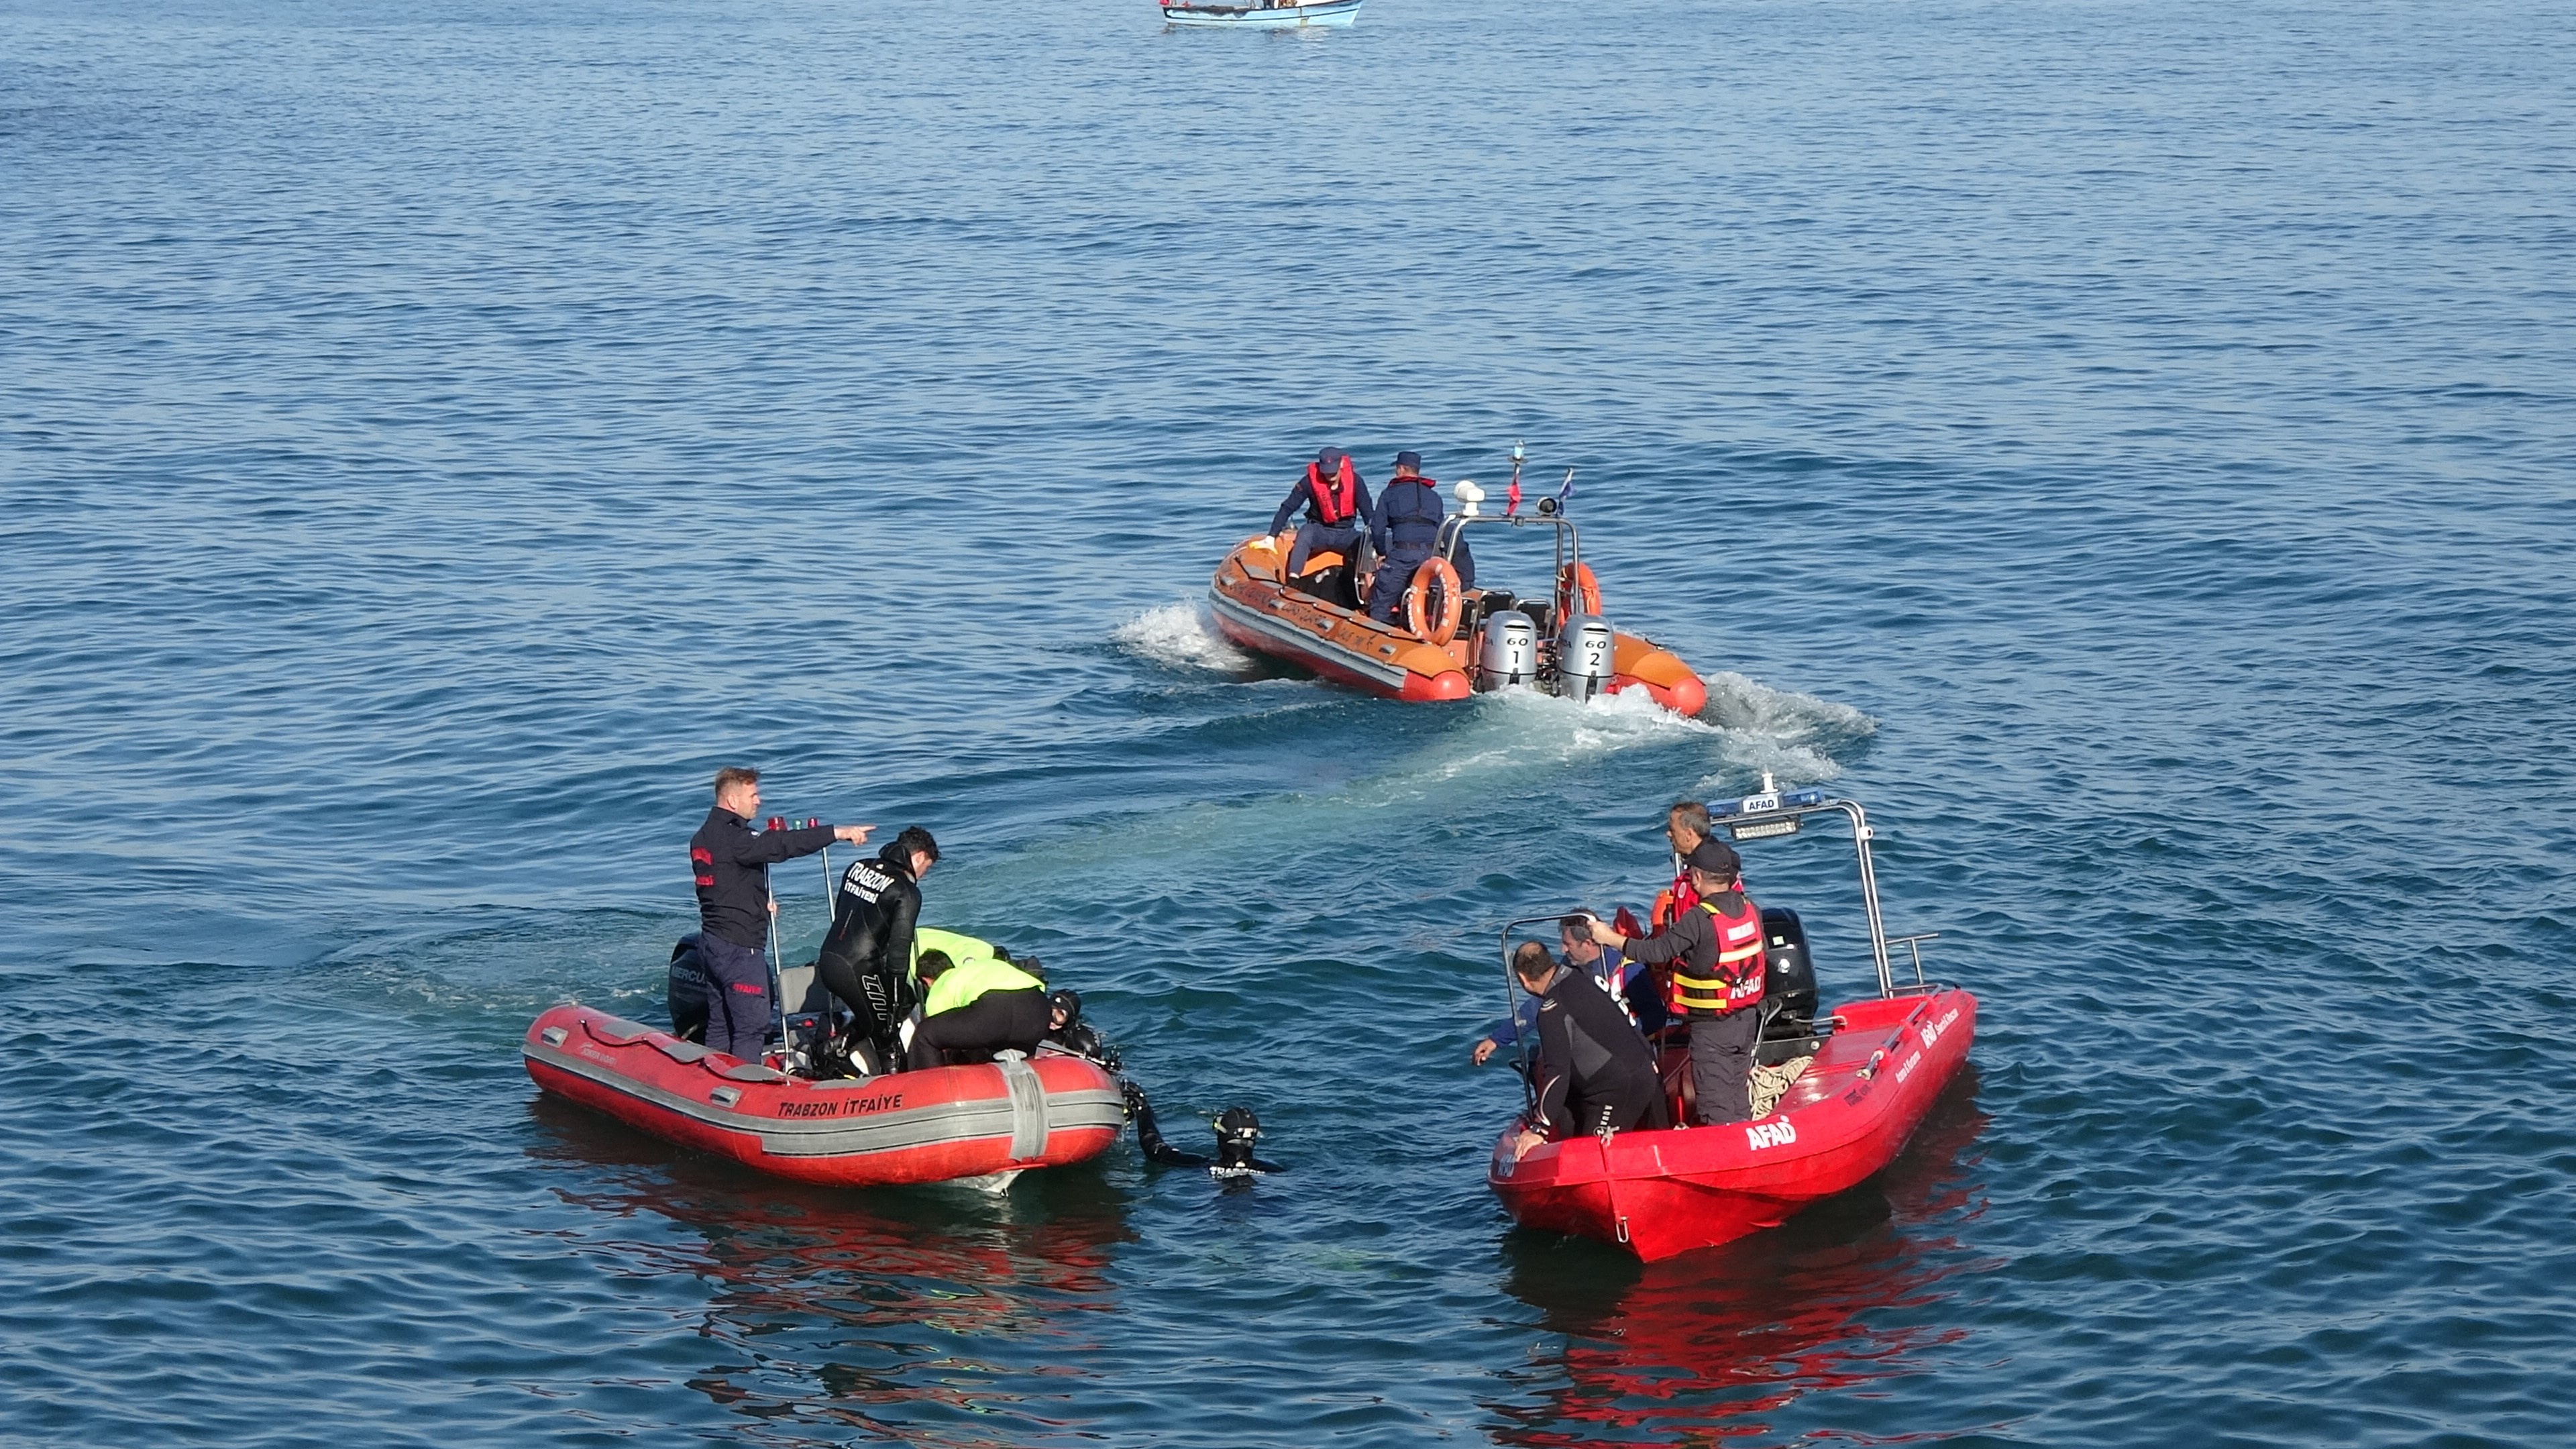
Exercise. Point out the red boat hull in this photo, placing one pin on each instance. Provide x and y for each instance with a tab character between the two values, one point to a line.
927	1126
1662	1193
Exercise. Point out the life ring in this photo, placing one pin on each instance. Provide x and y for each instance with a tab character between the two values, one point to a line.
1434	570
1575	582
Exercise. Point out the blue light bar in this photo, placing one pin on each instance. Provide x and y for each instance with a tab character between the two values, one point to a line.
1764	804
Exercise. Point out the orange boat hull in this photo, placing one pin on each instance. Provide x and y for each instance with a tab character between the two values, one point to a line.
1256	610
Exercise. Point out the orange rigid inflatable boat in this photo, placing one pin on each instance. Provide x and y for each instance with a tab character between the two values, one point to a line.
1450	641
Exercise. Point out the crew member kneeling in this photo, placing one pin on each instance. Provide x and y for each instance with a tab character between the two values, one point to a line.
973	1008
1595	1074
1716	953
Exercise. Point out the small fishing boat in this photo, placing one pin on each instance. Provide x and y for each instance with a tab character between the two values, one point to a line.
1265	17
1859	1080
1450	640
989	1122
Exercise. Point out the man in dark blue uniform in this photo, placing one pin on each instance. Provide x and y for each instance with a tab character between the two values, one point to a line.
729	862
1408	528
1338	509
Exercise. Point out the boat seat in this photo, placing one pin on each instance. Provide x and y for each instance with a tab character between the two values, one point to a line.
616	1030
748	1072
681	1051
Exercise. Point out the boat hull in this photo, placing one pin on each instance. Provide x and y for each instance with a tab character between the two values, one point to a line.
1662	1193
939	1125
1333	14
1256	611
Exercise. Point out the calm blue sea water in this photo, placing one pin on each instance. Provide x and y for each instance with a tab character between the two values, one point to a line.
2128	446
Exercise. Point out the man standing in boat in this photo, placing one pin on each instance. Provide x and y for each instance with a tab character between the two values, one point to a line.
1716	953
1595	1074
1685	825
729	862
1338	509
1406	530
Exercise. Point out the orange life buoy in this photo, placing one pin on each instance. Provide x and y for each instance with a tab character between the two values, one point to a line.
1573	583
1434	570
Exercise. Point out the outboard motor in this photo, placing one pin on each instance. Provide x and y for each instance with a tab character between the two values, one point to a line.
687	993
1583	654
1509	652
1788	975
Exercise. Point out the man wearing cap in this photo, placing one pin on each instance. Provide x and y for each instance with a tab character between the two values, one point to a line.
1338	509
729	862
1715	949
1406	532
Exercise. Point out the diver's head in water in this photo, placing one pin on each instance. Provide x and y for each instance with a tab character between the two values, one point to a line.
1236	1130
1064	1010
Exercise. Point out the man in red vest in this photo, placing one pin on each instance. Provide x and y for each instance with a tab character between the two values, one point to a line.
1715	950
1339	512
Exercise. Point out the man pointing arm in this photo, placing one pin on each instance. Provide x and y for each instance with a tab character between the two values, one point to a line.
728	863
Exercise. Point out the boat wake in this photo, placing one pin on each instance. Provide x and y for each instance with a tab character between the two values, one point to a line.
1182	636
1795	737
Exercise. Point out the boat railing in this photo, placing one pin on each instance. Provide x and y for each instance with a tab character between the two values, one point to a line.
1914	945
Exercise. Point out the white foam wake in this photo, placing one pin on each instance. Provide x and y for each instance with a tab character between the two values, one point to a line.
1788	734
1181	636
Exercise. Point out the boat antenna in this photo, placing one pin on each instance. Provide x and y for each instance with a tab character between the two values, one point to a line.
1512	500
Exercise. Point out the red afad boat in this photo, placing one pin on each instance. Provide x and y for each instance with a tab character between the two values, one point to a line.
990	1121
1873	1069
1449	640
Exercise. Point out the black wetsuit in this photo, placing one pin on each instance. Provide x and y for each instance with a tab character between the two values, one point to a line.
1594	1072
866	958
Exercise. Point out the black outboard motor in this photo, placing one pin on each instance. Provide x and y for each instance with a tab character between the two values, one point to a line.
688	991
1788	975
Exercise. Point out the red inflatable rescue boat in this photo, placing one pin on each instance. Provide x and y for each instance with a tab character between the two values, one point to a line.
990	1121
1871	1070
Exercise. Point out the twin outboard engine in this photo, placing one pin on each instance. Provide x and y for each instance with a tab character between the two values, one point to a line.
1583	657
1508	654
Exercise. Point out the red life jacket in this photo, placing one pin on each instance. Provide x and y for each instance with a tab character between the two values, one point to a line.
1338	500
1672	902
1735	981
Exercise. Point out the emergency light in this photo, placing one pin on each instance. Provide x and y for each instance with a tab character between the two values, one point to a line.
1764	804
1765	829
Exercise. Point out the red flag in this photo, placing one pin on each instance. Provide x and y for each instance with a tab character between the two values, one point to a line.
1512	500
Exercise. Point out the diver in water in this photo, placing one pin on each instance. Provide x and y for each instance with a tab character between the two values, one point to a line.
866	958
1067	1029
1236	1130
